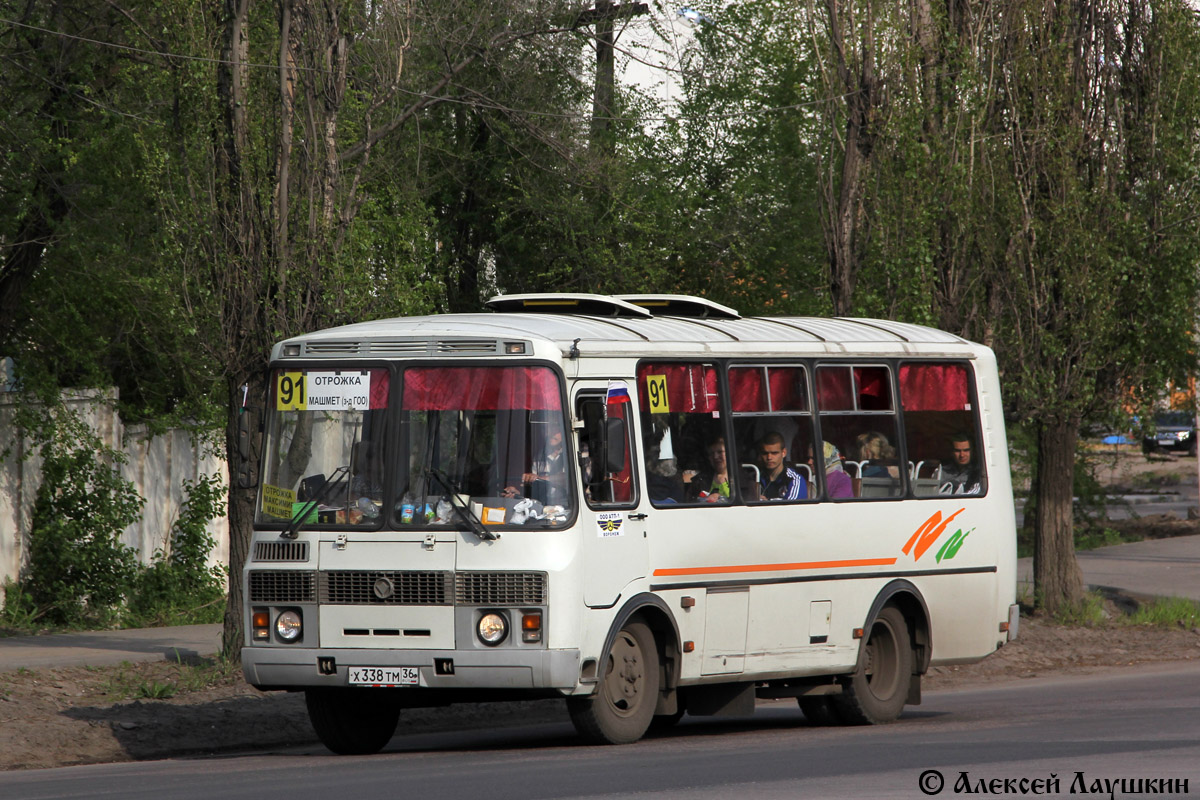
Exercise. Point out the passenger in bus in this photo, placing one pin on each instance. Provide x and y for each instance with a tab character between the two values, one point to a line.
546	479
777	481
873	450
710	484
663	480
837	482
961	475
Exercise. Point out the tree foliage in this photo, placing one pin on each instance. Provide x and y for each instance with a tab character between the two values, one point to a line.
189	181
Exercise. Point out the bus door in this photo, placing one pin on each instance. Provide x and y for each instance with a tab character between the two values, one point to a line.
614	549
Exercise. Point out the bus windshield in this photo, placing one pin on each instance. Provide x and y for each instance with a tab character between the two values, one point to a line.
463	446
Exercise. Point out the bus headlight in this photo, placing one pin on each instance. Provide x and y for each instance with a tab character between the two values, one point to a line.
492	629
288	626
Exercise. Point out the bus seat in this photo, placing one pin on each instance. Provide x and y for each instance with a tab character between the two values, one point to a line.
750	482
878	487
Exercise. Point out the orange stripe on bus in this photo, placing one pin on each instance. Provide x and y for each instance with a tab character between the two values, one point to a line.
855	562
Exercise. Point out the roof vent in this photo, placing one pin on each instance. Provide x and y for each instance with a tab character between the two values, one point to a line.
680	305
591	305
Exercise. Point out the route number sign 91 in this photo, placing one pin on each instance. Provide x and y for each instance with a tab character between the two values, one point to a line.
323	391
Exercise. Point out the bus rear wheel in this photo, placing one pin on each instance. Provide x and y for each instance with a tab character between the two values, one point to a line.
352	722
622	707
877	691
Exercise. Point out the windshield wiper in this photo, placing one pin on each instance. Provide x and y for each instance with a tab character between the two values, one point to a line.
293	528
464	512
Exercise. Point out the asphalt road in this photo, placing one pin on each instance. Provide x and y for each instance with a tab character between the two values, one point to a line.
1134	724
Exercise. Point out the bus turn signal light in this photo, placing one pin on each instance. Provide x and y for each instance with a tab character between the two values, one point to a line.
262	625
531	627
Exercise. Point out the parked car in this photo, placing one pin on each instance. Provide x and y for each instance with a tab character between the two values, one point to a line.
1174	431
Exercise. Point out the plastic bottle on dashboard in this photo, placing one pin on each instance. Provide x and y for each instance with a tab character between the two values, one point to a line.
406	510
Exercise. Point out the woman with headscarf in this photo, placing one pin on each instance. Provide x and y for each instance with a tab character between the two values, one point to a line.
837	482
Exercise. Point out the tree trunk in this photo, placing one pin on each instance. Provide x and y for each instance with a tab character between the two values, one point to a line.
241	505
1058	582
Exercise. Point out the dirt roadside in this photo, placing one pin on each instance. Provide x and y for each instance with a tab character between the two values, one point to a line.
84	715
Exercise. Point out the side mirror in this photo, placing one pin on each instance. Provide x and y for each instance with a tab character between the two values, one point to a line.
614	445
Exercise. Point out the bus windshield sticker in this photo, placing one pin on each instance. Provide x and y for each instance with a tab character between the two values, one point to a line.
609	524
656	390
323	391
277	501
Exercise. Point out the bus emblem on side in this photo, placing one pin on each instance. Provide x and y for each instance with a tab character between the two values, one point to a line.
609	523
383	588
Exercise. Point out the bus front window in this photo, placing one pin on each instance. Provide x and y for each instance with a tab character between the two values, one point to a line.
490	440
324	453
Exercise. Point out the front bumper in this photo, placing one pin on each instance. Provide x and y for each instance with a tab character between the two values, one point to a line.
297	668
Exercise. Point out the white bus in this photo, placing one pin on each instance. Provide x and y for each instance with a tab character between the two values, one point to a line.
646	505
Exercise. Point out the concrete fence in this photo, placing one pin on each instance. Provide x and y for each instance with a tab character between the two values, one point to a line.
156	466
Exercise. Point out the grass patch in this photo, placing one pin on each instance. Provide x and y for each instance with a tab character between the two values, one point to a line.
1152	480
150	681
1167	612
1089	612
1095	610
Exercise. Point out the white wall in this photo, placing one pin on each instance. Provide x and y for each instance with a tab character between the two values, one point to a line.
157	467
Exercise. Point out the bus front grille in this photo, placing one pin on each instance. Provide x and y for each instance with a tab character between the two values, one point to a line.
282	586
281	551
500	589
386	587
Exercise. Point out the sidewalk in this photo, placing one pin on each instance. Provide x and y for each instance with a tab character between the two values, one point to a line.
1156	568
105	648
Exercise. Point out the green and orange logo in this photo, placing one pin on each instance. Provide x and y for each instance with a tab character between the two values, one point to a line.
927	535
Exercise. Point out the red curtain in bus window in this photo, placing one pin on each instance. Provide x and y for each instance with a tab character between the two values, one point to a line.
874	389
380	378
834	392
481	389
622	482
683	388
746	389
934	387
787	389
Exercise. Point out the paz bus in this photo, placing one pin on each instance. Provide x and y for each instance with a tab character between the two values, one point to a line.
578	496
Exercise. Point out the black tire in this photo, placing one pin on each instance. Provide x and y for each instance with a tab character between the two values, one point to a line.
877	691
621	709
819	710
352	722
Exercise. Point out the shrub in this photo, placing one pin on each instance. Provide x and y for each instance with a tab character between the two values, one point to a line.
179	587
79	570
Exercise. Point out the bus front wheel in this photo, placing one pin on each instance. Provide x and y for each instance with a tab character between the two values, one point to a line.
877	691
352	722
622	707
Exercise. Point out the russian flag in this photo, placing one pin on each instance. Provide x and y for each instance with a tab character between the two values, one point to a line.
618	392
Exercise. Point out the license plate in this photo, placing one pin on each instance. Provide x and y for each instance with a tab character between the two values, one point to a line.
384	676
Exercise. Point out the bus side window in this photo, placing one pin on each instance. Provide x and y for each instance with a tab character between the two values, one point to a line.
771	412
681	433
858	418
605	452
941	427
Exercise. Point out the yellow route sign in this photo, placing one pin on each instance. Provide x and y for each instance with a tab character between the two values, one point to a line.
656	391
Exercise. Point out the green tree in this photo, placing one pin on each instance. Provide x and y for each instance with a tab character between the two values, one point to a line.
1029	185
